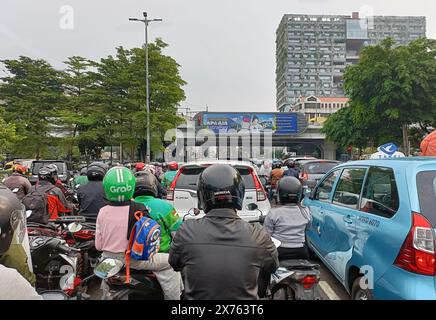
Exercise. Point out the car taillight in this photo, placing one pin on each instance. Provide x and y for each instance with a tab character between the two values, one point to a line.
260	193
418	251
309	281
170	192
304	176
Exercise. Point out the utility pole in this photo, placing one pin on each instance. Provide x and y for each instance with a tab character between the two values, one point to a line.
146	22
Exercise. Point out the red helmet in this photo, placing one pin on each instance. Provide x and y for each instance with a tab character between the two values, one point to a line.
173	166
140	166
20	169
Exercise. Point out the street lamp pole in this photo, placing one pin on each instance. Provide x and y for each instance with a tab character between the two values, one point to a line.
147	89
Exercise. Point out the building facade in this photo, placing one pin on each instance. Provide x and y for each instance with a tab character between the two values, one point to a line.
312	51
317	109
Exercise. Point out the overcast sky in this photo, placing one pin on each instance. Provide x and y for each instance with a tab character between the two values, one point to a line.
226	48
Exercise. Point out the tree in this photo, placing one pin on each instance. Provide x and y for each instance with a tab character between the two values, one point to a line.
8	138
121	91
396	84
80	113
30	96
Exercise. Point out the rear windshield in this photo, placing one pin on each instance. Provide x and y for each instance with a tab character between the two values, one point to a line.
39	165
319	167
189	177
426	185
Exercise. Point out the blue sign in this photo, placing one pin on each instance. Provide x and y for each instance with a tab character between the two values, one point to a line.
388	148
285	123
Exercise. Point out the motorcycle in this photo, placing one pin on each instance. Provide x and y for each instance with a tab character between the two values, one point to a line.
143	285
78	238
295	279
55	264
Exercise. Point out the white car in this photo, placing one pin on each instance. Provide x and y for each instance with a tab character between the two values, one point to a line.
182	193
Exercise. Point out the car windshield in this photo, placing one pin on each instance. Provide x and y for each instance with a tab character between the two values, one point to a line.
319	167
426	187
189	177
39	165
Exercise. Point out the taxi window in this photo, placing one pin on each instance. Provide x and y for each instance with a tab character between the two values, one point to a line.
349	186
426	185
380	194
326	186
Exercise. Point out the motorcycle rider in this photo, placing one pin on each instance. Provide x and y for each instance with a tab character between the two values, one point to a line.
146	192
139	167
221	255
82	179
112	227
170	174
91	196
276	175
16	278
17	183
292	170
288	223
47	178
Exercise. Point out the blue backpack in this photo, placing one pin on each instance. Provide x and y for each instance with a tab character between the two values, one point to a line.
144	240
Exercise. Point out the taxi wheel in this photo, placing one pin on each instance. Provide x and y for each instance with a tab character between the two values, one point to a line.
357	293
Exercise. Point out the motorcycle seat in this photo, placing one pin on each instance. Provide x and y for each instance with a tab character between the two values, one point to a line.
300	264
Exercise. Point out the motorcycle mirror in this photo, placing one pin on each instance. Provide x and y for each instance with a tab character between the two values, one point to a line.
74	227
54	295
252	206
108	268
194	211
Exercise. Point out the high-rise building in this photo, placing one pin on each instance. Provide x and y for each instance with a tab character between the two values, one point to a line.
312	51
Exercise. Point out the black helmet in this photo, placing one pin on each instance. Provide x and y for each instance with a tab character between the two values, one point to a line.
146	184
97	171
290	163
289	190
11	214
277	165
48	173
83	171
220	186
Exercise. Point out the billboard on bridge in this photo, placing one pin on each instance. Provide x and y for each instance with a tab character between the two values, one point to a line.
277	123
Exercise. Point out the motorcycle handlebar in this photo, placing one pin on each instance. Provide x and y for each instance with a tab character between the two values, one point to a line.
66	249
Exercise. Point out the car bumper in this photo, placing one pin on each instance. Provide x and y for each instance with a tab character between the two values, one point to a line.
399	284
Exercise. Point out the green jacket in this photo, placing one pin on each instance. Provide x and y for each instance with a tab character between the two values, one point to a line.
165	215
168	178
16	258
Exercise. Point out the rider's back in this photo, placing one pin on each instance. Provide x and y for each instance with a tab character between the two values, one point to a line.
221	256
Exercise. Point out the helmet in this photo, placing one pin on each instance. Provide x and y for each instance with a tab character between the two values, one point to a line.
140	166
289	190
119	184
11	213
83	171
220	186
19	168
96	171
146	185
173	166
290	163
277	165
48	173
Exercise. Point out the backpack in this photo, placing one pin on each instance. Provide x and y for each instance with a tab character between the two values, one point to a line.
144	239
36	204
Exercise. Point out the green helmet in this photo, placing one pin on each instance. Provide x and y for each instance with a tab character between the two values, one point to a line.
119	184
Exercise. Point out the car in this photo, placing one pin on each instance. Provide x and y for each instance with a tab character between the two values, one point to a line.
64	170
373	224
313	170
299	161
182	193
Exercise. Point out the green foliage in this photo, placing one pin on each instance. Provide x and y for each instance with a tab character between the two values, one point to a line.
8	137
90	105
31	94
390	87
